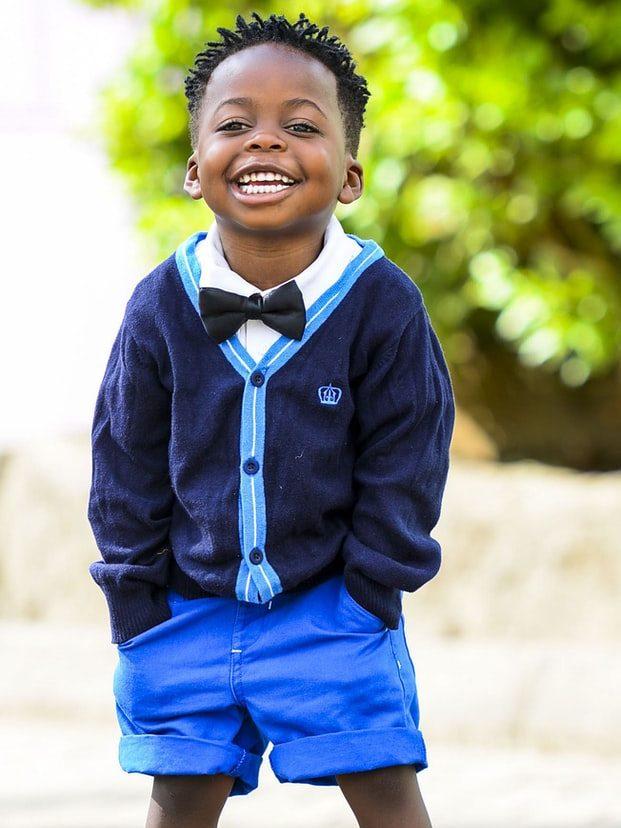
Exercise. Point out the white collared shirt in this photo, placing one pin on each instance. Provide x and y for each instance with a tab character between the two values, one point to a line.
257	337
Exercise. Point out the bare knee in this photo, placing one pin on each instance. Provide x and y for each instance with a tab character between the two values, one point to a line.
188	801
385	797
391	784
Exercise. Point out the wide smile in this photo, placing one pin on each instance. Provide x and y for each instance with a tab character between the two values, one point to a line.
262	198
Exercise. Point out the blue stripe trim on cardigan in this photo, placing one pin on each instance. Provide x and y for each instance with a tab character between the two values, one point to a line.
258	582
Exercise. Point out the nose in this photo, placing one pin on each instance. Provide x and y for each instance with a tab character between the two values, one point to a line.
264	140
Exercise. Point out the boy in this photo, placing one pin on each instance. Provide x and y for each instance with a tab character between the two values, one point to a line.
270	449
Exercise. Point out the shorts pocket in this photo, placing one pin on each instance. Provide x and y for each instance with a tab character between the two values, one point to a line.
372	622
152	632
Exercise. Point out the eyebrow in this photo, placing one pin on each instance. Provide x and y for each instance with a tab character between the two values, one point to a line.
288	104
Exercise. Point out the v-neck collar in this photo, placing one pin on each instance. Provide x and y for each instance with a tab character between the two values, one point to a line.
284	348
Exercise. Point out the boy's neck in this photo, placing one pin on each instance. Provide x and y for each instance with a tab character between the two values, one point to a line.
269	261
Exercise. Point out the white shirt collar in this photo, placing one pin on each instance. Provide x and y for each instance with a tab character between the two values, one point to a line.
337	251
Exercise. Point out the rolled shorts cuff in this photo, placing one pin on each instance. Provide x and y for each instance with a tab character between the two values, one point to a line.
317	759
181	755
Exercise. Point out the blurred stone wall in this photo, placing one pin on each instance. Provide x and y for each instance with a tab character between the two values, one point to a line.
515	640
527	550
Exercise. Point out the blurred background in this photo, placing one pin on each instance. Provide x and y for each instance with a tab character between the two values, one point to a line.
491	154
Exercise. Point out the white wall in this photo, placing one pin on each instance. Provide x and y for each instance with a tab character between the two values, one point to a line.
70	258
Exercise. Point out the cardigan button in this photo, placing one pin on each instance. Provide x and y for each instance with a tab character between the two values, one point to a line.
256	556
251	466
257	378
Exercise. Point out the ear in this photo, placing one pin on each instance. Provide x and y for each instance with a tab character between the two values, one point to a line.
352	182
192	184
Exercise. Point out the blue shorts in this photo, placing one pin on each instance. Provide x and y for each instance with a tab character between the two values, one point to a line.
313	672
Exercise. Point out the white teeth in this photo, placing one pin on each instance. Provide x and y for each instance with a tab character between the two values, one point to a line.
264	176
266	188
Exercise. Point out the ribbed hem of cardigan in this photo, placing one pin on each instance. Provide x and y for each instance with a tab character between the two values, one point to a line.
183	585
135	606
335	567
187	587
383	601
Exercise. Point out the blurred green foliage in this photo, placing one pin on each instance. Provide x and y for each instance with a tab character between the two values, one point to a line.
491	154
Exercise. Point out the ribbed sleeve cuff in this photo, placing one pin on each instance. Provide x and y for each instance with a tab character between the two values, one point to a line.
383	601
134	606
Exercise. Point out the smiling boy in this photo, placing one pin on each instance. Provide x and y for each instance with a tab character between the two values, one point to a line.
270	450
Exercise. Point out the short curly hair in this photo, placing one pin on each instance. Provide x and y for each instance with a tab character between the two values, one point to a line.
352	91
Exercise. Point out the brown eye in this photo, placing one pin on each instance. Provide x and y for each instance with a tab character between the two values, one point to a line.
224	127
230	123
308	126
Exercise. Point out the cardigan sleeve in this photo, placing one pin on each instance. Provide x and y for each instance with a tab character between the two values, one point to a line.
131	497
405	415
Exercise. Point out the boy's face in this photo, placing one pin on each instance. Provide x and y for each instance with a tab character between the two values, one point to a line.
306	144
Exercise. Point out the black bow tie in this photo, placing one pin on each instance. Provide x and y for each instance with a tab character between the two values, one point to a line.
223	312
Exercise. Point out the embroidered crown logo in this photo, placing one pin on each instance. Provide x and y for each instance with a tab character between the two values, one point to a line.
329	395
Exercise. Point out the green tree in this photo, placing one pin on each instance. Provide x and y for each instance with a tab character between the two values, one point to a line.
491	177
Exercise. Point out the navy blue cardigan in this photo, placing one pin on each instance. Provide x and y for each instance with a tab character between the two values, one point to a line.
216	475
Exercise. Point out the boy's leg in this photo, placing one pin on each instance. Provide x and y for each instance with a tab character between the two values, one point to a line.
385	797
188	801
